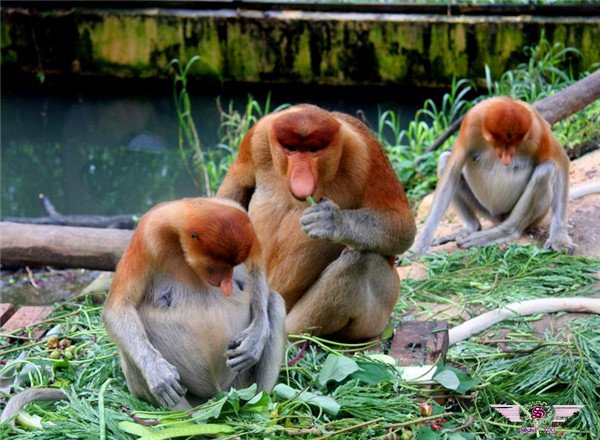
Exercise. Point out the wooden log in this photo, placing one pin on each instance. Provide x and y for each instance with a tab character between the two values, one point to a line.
26	316
54	217
61	246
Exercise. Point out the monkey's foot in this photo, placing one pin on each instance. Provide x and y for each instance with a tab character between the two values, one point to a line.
246	348
487	237
561	243
456	236
163	381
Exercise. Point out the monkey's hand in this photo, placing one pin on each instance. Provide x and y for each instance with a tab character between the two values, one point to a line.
245	349
163	381
323	220
561	243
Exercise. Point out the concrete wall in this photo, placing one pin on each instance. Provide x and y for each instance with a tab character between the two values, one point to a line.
283	46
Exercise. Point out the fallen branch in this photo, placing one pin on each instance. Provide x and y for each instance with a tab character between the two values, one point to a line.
126	221
554	108
61	246
523	308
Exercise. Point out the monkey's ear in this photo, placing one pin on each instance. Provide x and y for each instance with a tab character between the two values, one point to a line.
194	235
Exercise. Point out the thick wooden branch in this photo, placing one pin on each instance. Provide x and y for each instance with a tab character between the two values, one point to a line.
87	221
554	108
61	246
570	100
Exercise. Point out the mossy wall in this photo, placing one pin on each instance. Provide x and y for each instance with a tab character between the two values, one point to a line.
288	47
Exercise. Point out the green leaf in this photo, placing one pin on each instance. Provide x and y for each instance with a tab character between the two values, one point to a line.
327	404
447	379
336	368
209	410
388	332
454	379
259	404
246	393
372	373
426	433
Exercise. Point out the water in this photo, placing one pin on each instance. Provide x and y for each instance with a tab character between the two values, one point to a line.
112	149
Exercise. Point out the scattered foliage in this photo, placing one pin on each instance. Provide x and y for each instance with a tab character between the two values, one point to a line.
334	390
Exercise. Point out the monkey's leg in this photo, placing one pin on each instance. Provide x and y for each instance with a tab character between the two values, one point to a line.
353	298
533	204
464	202
269	365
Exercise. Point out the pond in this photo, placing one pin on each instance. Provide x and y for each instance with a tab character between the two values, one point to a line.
96	148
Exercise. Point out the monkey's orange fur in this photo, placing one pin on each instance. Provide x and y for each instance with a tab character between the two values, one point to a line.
215	237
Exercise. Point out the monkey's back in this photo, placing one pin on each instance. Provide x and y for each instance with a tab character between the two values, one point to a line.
192	328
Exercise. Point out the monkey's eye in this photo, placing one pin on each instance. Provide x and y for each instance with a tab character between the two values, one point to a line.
313	150
194	235
290	148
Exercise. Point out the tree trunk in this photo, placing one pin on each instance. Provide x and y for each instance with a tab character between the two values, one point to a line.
61	246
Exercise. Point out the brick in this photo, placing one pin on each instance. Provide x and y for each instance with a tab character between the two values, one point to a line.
26	316
420	342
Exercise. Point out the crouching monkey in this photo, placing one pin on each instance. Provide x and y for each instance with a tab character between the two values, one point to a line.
507	166
182	318
332	262
189	307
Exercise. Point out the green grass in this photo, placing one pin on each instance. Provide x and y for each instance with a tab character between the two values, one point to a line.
354	396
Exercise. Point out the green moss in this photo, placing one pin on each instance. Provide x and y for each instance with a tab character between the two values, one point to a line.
297	48
244	60
5	39
302	58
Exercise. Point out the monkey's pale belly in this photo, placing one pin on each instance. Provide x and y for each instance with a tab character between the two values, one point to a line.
293	259
497	187
203	329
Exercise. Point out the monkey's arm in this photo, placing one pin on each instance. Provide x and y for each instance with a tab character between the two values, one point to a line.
384	231
239	182
125	327
444	194
246	348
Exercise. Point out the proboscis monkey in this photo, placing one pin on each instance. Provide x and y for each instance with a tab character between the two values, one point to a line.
182	316
189	308
507	166
331	262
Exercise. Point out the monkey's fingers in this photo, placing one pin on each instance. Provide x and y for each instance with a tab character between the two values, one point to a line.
443	240
171	394
241	363
242	357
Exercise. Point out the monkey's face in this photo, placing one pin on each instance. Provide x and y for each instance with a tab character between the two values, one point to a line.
214	272
304	143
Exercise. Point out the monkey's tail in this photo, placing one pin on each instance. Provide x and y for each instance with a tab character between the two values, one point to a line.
18	401
584	190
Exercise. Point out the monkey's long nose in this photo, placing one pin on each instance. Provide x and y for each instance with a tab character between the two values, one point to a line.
227	283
